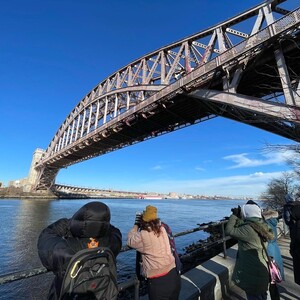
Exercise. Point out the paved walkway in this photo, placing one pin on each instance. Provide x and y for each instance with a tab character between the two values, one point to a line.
288	289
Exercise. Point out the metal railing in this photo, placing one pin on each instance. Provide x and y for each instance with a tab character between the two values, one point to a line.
282	230
7	278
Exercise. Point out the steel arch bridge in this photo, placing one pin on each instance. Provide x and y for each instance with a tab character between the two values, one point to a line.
249	76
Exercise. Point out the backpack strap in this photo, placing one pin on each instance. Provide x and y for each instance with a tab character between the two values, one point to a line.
264	248
274	270
261	239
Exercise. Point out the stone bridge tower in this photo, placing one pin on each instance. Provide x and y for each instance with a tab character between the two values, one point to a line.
33	173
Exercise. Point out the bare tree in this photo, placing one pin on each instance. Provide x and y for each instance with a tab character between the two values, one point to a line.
293	159
278	188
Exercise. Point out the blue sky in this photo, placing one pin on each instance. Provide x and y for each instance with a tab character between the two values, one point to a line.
54	52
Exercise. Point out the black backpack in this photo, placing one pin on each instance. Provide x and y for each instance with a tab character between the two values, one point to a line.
294	210
91	274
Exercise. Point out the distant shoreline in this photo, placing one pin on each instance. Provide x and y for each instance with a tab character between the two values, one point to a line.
41	197
18	193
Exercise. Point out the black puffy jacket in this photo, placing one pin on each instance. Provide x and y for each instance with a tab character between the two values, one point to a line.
61	240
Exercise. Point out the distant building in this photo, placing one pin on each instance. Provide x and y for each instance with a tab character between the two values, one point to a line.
17	183
173	195
27	183
14	183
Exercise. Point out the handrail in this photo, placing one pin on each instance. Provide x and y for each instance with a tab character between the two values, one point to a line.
42	270
134	281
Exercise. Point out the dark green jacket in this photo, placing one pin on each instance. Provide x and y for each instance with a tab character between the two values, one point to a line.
250	271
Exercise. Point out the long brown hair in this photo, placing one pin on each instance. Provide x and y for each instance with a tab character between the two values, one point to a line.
153	225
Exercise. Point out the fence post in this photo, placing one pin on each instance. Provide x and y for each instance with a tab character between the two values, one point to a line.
285	229
224	240
133	281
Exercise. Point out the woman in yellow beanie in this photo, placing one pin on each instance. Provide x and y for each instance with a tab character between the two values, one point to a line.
149	236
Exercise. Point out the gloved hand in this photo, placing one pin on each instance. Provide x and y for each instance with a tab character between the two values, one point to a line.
138	217
236	211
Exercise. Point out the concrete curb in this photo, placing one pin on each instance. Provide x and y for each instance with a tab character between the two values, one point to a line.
204	281
210	280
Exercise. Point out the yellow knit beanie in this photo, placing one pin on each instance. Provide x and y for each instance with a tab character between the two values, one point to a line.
150	213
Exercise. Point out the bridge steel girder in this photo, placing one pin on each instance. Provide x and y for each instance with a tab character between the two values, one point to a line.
46	177
270	116
151	95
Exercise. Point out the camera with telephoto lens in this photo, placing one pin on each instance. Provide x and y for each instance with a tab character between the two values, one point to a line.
236	211
138	217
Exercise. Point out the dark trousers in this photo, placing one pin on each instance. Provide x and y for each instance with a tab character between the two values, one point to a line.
166	287
296	265
262	296
274	293
295	253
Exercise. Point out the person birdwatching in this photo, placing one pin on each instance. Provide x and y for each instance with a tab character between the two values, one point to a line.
271	218
250	271
88	228
150	238
291	215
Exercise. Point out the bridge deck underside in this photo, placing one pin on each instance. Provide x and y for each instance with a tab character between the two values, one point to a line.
259	79
181	111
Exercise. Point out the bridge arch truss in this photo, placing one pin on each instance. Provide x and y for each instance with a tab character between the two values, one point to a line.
251	77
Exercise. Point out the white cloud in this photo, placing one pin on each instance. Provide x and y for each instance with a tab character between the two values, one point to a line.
251	185
243	161
258	174
199	169
157	167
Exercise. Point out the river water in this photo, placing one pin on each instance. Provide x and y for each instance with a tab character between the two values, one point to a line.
23	220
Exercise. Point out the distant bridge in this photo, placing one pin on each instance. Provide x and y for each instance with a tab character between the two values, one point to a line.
248	76
63	190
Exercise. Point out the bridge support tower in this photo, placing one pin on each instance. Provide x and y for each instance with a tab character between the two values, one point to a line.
33	173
